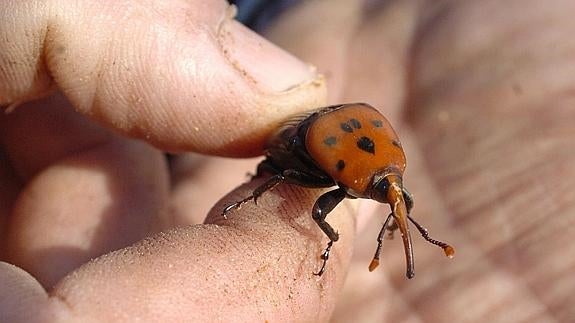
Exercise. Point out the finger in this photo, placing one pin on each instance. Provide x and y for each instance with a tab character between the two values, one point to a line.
22	299
326	44
178	74
260	257
87	191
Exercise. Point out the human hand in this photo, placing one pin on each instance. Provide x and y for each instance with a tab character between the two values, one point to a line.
184	77
484	211
480	92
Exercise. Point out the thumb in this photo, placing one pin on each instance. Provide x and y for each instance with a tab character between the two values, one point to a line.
182	75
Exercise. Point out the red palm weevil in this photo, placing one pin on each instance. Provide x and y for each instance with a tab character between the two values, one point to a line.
352	147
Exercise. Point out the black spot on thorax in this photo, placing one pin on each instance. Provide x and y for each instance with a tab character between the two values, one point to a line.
330	141
350	125
355	123
346	127
377	123
366	144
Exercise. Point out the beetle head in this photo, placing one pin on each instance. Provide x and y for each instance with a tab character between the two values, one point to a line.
382	183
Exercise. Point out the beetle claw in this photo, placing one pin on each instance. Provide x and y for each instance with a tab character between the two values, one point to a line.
324	256
228	209
235	206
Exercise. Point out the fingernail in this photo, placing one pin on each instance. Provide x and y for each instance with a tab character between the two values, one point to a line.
260	61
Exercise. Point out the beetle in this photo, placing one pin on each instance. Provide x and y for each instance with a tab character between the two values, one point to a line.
353	147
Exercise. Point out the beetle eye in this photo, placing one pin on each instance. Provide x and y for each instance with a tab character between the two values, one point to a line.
380	189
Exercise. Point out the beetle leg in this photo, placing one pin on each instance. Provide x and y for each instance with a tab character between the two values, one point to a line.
266	186
235	206
391	228
270	184
325	204
386	226
291	176
324	256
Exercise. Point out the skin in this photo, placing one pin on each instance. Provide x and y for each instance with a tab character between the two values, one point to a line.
479	92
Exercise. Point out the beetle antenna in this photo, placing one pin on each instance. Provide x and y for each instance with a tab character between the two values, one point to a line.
447	249
375	261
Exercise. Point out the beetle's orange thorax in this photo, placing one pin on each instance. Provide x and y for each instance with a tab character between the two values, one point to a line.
352	144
